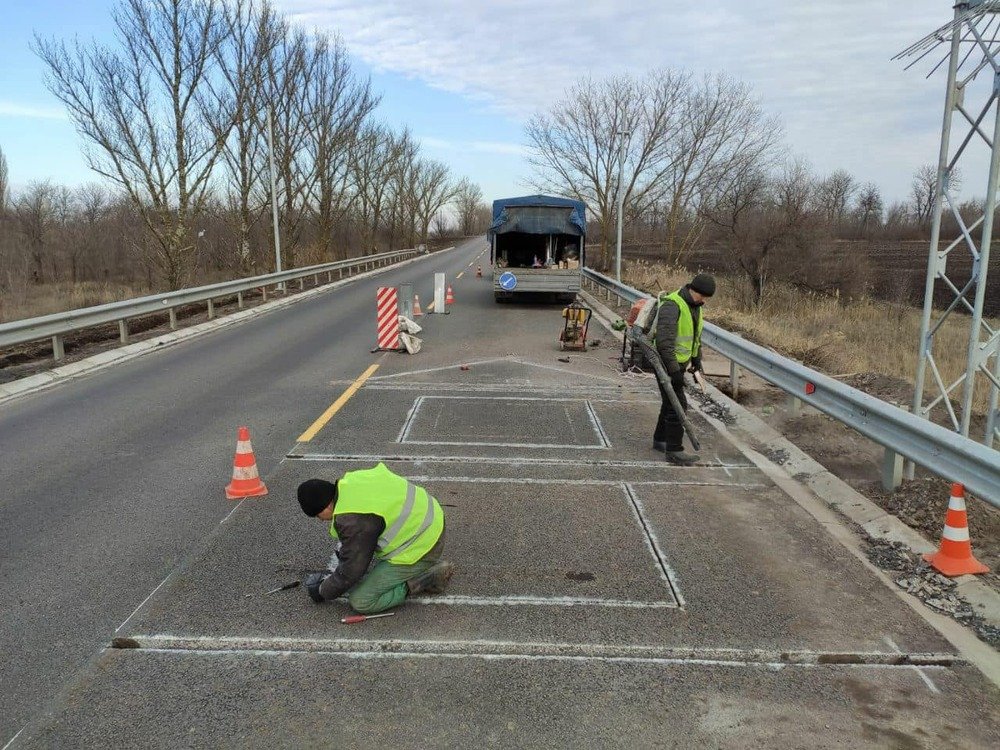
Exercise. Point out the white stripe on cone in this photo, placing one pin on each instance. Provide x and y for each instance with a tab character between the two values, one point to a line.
245	472
956	503
956	535
243	446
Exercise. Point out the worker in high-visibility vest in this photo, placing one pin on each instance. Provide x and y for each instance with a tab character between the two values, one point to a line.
376	514
677	337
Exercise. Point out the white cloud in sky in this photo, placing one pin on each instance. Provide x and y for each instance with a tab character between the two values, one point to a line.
14	109
824	67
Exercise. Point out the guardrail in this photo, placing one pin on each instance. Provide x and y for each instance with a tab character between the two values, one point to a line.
59	324
901	433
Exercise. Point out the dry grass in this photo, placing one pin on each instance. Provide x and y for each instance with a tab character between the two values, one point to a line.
32	300
832	334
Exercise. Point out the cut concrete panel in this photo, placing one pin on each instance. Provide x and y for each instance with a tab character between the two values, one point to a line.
239	700
756	569
504	422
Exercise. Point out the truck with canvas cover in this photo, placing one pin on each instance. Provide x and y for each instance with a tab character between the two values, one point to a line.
537	246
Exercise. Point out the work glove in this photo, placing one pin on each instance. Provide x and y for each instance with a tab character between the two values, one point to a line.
677	378
695	365
313	582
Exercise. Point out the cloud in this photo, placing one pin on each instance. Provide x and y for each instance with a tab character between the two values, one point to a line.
13	109
825	68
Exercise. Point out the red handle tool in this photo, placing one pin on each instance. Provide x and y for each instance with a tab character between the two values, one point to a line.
351	619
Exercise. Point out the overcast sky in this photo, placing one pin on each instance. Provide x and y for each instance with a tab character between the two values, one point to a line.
465	75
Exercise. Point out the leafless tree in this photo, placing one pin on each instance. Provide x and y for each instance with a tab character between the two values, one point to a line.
468	198
35	211
141	113
403	191
680	141
374	161
870	207
253	32
923	192
4	181
433	191
340	103
834	194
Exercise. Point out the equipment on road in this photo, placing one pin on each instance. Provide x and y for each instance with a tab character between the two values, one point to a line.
479	272
387	320
449	297
954	558
574	333
653	357
286	587
351	619
417	312
246	481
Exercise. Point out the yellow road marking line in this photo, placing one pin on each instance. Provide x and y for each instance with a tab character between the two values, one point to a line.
430	307
459	276
326	416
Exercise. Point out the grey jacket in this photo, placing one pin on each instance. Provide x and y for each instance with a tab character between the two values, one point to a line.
666	332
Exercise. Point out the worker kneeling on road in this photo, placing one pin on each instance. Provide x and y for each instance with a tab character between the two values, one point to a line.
377	514
677	338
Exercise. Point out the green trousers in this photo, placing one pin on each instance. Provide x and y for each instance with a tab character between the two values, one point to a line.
384	587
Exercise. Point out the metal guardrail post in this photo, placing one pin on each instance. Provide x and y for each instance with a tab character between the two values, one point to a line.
211	309
173	318
123	331
892	469
734	380
263	294
58	350
239	300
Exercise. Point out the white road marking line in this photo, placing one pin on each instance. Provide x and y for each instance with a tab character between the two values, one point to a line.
513	461
724	467
563	370
541	601
143	602
595	482
11	740
382	378
537	649
923	676
653	544
473	444
230	513
405	431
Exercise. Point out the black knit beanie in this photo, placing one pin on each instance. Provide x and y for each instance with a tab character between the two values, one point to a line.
315	495
703	284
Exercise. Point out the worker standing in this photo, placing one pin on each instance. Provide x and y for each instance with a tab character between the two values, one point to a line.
677	337
376	514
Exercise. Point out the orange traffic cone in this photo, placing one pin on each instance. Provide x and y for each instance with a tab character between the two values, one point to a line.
479	272
417	312
246	481
449	298
954	558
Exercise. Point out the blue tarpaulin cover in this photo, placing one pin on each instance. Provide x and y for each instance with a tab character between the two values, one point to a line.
539	214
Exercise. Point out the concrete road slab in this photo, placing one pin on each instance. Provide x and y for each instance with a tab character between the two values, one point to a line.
272	699
559	563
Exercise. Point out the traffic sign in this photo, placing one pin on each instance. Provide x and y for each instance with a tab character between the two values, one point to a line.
508	281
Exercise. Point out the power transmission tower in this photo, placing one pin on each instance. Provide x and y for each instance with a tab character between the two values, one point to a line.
971	43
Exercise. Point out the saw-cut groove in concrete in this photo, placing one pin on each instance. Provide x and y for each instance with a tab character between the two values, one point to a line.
514	461
653	544
536	650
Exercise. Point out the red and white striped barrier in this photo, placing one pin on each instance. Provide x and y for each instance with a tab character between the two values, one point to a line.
387	321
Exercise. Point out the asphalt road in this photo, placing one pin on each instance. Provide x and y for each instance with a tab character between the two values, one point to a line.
602	598
109	481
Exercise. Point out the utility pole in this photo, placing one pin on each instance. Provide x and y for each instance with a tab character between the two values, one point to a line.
623	134
274	197
970	48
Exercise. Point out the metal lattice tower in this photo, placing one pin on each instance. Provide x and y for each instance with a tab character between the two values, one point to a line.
972	51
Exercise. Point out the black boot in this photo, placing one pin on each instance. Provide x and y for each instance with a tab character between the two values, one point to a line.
681	458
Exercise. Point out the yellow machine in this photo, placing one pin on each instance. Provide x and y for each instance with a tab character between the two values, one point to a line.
574	333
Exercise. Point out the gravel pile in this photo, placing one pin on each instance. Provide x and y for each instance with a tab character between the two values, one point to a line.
912	574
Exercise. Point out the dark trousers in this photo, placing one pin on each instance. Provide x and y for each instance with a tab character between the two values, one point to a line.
669	428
